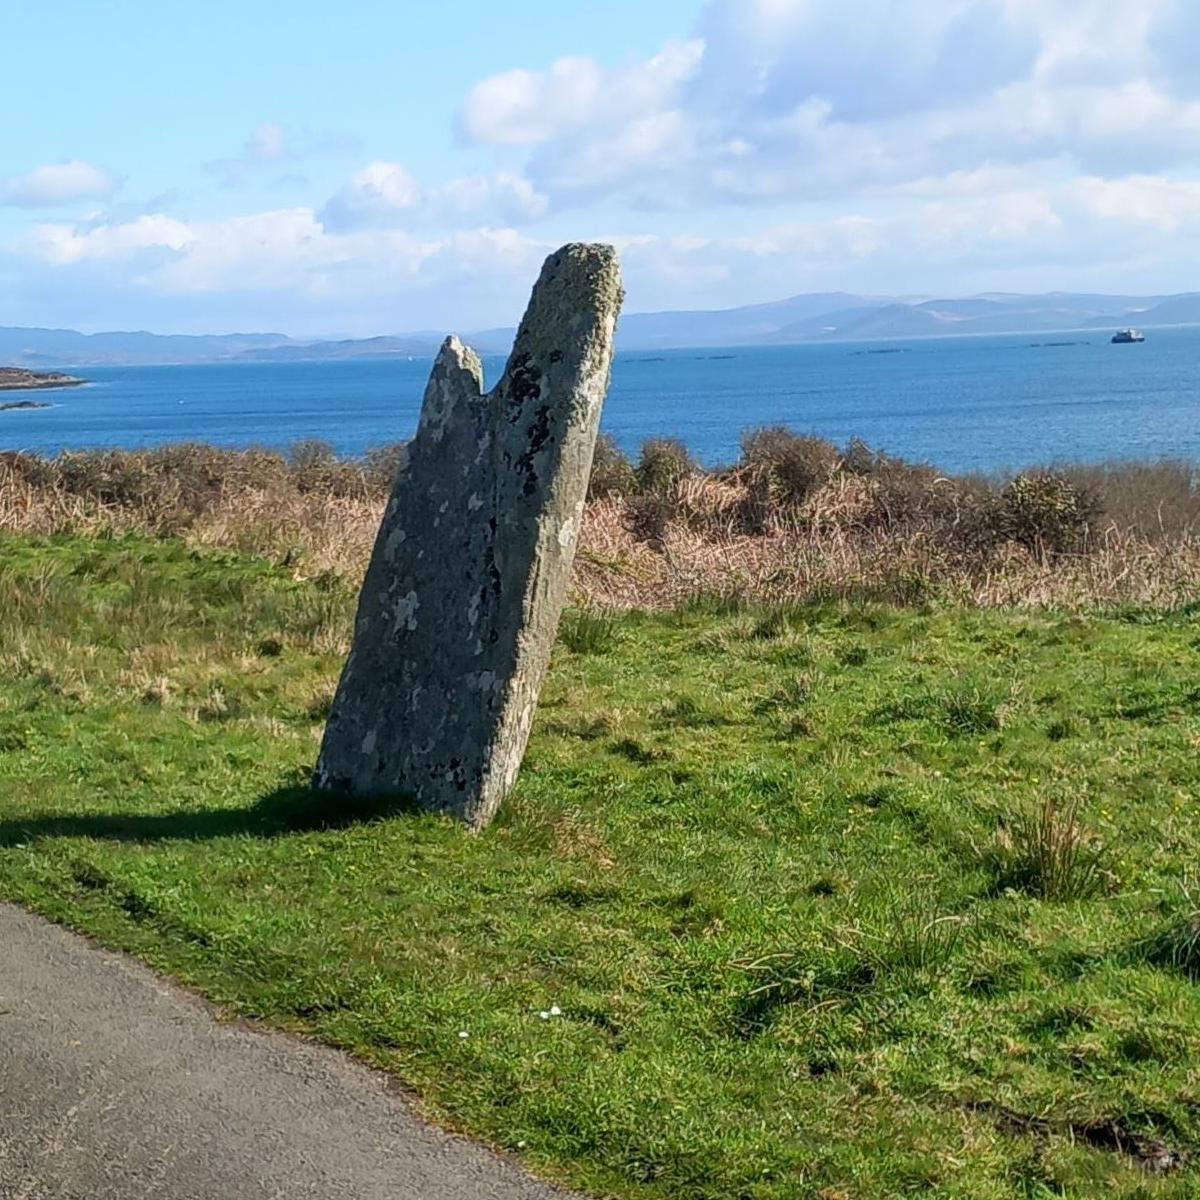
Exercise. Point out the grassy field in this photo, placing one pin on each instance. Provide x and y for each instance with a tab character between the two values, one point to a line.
829	901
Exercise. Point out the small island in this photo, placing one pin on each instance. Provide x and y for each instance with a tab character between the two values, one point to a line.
10	405
18	379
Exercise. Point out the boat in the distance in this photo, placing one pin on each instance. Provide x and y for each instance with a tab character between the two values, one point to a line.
1124	336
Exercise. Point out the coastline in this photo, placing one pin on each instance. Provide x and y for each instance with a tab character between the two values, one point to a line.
39	383
17	379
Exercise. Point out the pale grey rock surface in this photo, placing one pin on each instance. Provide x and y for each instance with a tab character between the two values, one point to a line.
461	602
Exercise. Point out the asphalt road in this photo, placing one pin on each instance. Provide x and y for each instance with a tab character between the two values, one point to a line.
116	1085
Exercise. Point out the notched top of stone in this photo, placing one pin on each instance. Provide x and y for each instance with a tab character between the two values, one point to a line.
582	279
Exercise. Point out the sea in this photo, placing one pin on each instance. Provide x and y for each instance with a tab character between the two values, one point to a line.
986	404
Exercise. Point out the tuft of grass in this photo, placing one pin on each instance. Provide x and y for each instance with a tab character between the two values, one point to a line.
967	709
157	691
918	937
588	631
904	942
793	693
1175	944
1063	727
1049	853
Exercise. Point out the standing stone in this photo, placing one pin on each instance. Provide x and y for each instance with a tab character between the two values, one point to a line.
470	570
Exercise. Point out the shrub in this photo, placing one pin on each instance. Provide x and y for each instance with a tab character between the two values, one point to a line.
860	459
1045	512
869	525
784	468
906	496
316	467
612	472
954	513
661	473
1156	500
664	464
27	468
648	516
110	476
380	466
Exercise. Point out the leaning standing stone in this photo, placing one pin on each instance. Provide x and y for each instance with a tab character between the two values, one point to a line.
469	573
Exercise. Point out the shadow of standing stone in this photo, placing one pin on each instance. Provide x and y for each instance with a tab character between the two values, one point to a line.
470	570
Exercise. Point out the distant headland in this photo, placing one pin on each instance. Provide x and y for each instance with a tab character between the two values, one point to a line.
811	317
14	379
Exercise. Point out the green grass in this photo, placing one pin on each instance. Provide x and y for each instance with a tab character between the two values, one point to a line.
828	902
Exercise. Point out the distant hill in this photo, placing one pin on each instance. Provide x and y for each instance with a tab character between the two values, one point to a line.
411	345
812	317
885	321
731	326
638	331
65	347
1175	310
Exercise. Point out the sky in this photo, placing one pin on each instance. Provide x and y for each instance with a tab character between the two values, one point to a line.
375	167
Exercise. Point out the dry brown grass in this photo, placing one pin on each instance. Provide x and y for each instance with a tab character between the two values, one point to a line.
831	561
793	521
310	510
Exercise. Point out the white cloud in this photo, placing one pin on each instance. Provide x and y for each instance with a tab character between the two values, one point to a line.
991	229
934	145
526	107
779	101
56	184
292	250
866	60
61	245
284	252
505	196
1142	200
266	148
381	193
387	194
1091	40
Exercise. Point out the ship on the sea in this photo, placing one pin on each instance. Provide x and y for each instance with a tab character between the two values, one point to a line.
1124	336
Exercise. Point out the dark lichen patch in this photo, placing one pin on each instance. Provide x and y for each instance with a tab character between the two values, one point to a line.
539	435
525	384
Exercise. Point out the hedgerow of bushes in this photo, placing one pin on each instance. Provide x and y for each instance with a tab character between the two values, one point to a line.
785	480
782	482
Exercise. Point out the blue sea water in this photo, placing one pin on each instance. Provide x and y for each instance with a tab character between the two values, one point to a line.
961	403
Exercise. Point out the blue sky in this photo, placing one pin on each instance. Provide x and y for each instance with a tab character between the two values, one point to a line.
374	167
